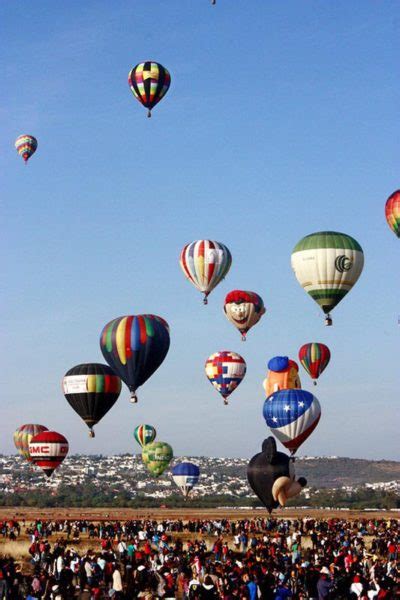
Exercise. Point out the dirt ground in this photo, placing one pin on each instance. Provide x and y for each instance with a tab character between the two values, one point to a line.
108	514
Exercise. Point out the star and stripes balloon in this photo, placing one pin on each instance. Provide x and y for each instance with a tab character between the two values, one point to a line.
205	263
26	146
225	371
292	415
185	476
48	450
315	358
149	82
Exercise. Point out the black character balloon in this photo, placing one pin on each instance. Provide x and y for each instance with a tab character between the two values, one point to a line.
271	476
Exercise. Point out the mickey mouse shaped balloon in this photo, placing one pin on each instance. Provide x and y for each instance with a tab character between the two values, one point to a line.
271	476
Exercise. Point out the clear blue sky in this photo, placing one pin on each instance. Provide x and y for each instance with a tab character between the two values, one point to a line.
282	119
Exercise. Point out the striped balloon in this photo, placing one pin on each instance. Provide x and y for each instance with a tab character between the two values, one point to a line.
327	265
225	371
149	82
48	449
134	347
292	415
185	476
144	434
26	146
91	389
205	263
392	212
23	435
315	358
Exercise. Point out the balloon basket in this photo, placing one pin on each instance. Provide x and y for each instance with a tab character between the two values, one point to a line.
91	433
328	321
149	114
133	398
226	402
205	301
243	337
314	382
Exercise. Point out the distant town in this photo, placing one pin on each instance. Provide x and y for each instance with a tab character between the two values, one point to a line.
330	480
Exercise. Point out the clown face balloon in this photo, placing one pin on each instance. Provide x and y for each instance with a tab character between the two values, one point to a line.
243	309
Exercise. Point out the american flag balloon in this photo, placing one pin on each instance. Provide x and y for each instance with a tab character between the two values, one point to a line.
292	415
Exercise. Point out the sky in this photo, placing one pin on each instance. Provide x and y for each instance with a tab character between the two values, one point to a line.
281	120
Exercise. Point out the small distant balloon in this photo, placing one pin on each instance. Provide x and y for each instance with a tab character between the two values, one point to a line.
315	358
225	371
185	475
244	310
157	456
205	263
23	436
48	450
392	212
26	145
149	82
144	434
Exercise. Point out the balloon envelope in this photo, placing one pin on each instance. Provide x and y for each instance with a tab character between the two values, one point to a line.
205	263
23	435
157	456
185	475
144	434
149	82
292	415
243	310
265	468
26	146
48	449
91	389
315	358
392	212
134	347
327	265
225	371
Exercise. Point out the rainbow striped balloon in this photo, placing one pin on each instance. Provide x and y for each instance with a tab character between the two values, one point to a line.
26	146
23	435
392	212
205	263
134	347
149	82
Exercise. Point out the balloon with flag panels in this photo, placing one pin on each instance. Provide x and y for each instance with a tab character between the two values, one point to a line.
48	450
205	263
292	415
144	434
23	435
135	346
327	264
26	145
185	475
225	371
392	212
149	82
315	358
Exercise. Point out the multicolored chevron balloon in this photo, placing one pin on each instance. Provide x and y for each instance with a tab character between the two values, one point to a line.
26	146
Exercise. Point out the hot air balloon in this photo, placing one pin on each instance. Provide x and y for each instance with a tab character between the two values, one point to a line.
327	265
271	476
91	389
47	450
185	475
26	146
134	347
225	371
315	358
243	310
292	415
283	374
392	212
157	456
149	82
144	434
23	435
205	263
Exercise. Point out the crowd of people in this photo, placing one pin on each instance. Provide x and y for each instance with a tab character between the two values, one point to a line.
248	559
